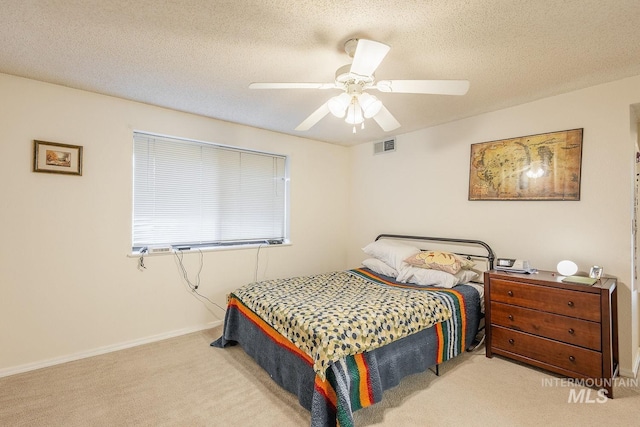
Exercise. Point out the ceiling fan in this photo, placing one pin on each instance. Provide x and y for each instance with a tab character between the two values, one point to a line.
354	103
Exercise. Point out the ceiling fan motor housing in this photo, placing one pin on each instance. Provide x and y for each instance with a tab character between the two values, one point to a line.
350	47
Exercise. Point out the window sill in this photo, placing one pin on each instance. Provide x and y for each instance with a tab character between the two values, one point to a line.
136	254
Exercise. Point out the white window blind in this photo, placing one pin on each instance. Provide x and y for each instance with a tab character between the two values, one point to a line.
200	194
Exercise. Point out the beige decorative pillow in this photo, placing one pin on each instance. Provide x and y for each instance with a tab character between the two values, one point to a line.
437	260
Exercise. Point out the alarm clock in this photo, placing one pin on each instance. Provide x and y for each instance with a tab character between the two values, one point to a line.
514	265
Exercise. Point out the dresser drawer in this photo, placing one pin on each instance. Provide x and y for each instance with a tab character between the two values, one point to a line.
582	305
568	329
566	356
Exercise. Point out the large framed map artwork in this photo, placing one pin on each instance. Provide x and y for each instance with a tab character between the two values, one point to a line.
535	167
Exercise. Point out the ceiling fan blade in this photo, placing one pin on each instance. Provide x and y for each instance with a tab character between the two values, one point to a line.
292	86
314	117
435	87
386	120
368	56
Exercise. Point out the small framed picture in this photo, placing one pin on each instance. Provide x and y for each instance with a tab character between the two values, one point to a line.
596	272
52	157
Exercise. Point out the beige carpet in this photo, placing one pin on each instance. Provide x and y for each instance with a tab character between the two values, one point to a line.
184	382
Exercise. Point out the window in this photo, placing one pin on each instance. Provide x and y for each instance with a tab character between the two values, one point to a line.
191	193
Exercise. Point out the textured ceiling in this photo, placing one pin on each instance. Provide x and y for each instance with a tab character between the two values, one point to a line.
199	56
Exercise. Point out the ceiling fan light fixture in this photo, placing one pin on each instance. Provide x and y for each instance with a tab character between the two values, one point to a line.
370	105
354	113
338	104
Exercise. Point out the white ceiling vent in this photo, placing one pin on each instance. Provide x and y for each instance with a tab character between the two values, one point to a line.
384	146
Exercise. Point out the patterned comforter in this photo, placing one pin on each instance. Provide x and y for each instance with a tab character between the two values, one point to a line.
353	377
331	316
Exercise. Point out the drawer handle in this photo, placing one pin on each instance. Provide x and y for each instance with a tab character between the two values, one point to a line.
511	341
571	331
570	303
511	317
510	293
573	359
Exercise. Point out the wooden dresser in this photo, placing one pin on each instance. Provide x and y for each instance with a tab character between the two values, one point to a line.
569	329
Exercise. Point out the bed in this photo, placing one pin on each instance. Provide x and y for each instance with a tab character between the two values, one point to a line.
338	340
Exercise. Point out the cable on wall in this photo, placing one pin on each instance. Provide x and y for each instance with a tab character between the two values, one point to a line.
141	265
193	287
255	274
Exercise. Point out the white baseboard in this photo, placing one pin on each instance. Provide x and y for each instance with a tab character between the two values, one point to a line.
633	373
103	350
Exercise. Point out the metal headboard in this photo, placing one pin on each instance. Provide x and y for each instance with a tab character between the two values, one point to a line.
490	257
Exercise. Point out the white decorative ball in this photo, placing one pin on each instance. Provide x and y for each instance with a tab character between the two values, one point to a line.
567	268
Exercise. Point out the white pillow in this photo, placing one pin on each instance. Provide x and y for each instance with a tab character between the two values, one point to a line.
379	267
438	278
465	276
390	252
427	277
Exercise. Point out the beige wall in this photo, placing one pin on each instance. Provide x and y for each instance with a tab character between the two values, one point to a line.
422	188
67	287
